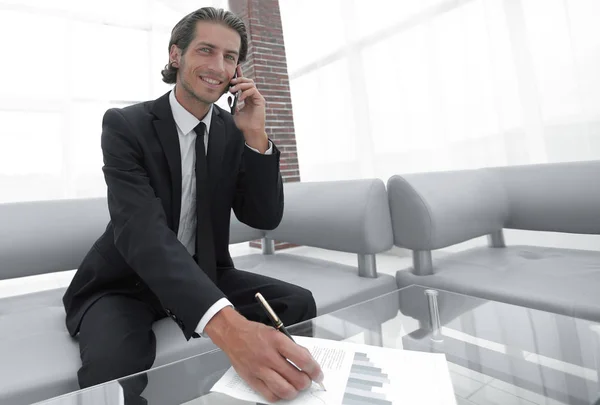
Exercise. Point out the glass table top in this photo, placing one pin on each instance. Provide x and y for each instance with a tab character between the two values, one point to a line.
497	353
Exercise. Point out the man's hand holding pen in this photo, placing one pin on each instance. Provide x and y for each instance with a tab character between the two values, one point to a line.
260	355
277	323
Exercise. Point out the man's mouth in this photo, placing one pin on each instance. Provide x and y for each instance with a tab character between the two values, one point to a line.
211	81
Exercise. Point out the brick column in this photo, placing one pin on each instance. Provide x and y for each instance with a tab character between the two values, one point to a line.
267	66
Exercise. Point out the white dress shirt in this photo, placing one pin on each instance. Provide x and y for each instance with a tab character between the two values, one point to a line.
186	122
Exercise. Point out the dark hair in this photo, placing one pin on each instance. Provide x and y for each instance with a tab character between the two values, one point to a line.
184	31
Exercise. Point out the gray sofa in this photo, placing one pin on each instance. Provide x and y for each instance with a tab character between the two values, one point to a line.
420	212
40	360
435	210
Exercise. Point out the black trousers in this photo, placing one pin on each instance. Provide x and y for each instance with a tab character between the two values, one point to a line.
116	337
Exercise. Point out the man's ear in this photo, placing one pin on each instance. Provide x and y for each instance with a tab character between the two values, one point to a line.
174	56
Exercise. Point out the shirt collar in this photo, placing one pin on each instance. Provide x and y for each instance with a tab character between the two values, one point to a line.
185	120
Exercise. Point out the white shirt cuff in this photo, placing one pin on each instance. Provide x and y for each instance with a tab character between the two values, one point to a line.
212	311
267	152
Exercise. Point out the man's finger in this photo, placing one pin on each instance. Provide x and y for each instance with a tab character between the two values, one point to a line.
299	379
278	385
253	95
262	388
242	80
241	86
303	359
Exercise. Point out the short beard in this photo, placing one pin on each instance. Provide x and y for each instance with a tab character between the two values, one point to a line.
191	94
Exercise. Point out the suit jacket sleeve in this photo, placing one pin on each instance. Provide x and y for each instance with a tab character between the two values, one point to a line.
141	233
258	201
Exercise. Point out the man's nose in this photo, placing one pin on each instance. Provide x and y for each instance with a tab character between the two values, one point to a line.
217	66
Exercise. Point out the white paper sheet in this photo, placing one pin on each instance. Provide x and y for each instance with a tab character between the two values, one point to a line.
362	374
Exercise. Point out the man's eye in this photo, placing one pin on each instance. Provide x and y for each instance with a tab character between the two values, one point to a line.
204	49
230	57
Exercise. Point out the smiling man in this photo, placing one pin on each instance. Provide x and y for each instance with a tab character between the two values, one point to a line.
175	167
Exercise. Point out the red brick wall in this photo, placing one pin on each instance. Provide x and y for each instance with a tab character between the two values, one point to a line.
266	64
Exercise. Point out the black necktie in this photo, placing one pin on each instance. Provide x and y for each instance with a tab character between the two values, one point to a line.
205	246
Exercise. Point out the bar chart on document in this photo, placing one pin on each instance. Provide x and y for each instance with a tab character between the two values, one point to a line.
367	383
380	376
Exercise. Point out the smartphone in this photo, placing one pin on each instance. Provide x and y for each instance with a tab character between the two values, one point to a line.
233	105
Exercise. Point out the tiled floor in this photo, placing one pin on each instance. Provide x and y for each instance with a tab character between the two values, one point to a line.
470	387
480	389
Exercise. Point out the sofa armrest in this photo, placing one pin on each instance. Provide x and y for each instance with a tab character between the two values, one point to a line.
348	216
553	197
435	210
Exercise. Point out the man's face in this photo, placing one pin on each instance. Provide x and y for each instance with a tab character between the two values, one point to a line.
209	63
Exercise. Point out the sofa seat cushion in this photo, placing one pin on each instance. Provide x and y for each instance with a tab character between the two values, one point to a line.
562	281
333	285
40	359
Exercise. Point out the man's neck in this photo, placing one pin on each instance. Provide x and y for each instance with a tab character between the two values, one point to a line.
195	107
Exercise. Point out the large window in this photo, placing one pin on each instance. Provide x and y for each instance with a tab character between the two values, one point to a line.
408	86
65	62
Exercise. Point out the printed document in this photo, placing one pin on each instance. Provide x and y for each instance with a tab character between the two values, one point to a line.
362	374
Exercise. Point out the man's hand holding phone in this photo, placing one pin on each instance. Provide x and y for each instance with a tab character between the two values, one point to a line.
250	111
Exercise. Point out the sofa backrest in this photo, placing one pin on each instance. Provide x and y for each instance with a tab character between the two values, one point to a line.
435	210
348	216
48	236
438	209
557	197
240	232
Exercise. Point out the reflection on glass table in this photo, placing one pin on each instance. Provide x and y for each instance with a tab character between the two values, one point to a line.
497	353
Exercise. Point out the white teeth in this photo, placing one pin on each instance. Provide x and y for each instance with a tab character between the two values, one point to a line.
211	81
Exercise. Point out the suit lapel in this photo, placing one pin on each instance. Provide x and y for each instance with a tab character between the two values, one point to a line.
217	140
167	134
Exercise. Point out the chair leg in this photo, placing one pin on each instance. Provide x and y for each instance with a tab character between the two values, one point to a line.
496	239
268	246
374	336
422	262
367	266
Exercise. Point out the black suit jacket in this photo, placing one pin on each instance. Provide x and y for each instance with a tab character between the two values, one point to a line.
139	252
